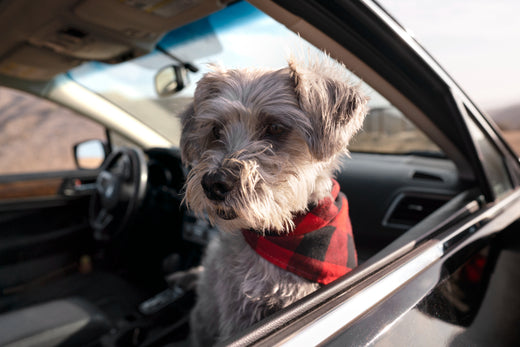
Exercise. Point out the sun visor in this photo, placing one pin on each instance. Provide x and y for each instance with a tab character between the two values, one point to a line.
144	20
78	42
35	63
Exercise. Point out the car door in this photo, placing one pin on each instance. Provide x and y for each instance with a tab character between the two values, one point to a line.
43	209
451	278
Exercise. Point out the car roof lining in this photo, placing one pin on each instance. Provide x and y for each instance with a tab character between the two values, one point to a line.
42	39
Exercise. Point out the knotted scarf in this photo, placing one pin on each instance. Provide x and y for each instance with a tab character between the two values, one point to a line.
321	246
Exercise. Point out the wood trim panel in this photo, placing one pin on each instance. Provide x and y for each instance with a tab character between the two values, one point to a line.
45	187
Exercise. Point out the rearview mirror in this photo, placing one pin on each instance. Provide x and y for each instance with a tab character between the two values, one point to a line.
170	80
89	154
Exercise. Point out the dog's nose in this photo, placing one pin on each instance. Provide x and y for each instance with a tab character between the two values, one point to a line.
216	185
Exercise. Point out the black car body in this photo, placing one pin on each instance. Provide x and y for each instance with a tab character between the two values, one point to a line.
437	234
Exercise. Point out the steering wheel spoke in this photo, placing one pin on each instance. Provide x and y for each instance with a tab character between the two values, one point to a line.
120	190
103	219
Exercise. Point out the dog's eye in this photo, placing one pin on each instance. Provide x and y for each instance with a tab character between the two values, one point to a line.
274	129
215	131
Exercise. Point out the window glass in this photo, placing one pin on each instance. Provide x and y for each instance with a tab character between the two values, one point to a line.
512	136
387	130
39	136
236	37
491	159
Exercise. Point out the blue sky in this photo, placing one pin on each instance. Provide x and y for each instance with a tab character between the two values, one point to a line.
477	42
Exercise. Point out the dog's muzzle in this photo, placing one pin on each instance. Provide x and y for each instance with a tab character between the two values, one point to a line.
217	185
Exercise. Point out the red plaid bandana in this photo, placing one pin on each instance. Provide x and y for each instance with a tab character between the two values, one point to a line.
321	246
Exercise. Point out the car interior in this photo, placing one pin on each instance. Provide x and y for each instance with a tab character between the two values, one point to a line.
101	268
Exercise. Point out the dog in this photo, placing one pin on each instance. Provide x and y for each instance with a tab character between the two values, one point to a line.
262	147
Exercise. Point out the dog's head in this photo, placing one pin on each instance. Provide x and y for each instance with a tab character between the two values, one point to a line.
262	145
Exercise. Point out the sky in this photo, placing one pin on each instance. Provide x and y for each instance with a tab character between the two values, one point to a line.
476	41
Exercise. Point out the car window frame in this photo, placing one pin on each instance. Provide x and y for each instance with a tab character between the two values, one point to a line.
471	114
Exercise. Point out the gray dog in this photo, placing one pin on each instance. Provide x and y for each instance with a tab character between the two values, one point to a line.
262	146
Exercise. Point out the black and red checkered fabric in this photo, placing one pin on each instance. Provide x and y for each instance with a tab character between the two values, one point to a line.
321	246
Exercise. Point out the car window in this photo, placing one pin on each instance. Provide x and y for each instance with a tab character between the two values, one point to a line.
511	133
37	135
387	130
493	162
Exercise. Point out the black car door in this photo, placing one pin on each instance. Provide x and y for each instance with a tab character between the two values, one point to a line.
43	210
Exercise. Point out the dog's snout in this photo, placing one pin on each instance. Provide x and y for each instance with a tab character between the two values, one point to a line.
216	185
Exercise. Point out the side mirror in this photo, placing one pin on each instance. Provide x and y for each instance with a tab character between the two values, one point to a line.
90	154
170	80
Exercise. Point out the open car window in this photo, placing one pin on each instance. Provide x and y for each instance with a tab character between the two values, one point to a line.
386	130
38	136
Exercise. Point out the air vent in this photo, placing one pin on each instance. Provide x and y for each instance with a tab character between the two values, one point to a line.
426	176
410	210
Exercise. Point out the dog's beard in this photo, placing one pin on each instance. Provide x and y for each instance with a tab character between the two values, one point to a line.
268	193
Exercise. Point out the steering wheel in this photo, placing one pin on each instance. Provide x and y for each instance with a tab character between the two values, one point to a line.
120	190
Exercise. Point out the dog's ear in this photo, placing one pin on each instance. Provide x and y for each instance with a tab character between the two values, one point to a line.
208	86
336	108
211	84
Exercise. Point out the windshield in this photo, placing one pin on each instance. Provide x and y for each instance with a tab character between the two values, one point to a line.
235	37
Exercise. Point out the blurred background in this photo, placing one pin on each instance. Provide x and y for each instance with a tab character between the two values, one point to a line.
478	44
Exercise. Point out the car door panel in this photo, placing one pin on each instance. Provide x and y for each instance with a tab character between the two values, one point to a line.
467	297
42	215
482	244
389	194
43	204
44	187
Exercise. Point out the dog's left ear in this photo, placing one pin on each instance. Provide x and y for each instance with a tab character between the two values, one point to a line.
336	108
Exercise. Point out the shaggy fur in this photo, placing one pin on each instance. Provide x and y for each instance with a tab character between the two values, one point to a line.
261	146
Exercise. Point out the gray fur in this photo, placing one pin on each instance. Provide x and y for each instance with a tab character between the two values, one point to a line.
277	136
238	288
